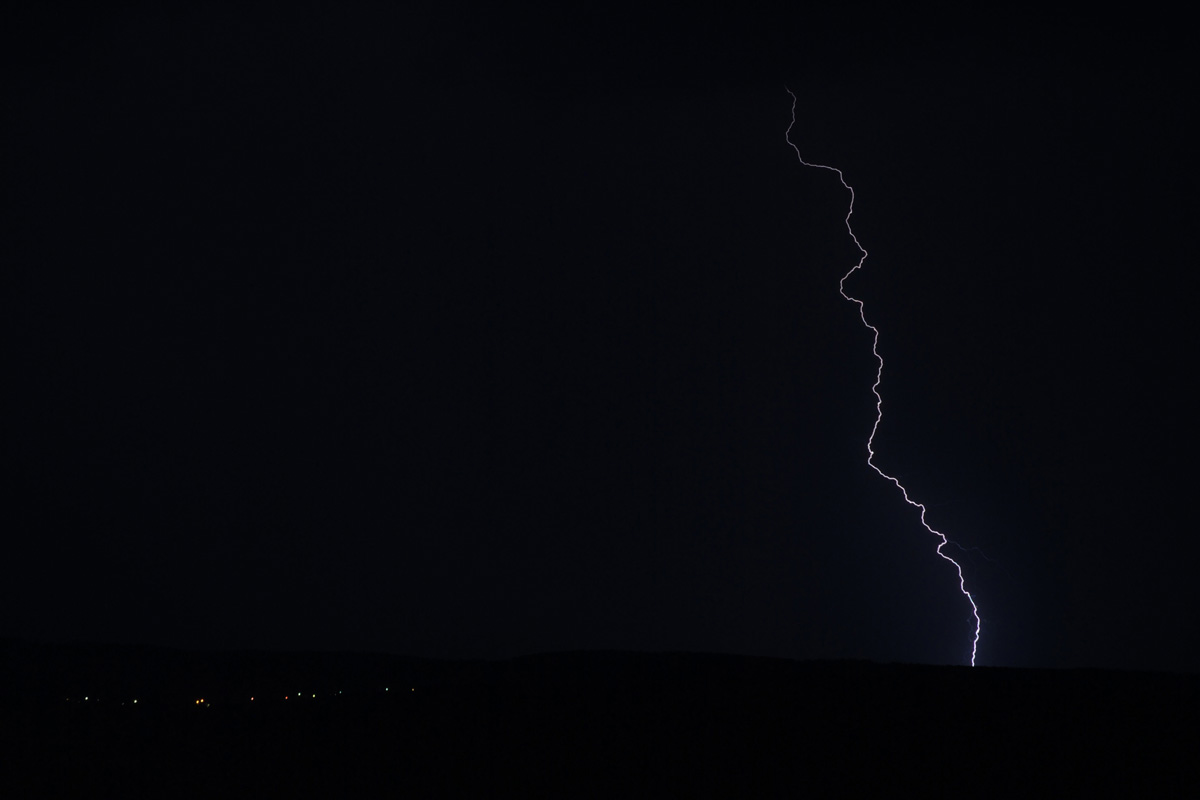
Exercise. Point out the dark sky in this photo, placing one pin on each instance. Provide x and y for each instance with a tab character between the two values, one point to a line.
468	334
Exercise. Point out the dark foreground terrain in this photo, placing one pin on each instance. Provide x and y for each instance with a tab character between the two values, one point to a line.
580	724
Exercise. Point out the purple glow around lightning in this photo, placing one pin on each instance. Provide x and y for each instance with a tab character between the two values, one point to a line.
962	583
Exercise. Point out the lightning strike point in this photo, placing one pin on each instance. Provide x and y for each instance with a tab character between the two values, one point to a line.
962	583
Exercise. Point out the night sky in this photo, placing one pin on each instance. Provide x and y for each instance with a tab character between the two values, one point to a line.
470	333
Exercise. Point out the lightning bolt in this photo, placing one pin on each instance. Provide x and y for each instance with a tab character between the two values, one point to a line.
962	583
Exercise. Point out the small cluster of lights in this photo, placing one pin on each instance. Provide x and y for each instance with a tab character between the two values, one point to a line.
89	699
204	702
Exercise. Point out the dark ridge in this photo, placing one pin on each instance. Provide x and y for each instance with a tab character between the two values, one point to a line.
41	673
578	724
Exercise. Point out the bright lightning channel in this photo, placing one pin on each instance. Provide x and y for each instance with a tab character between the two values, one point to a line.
962	583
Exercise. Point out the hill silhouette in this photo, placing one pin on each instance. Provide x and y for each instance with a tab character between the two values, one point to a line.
591	724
